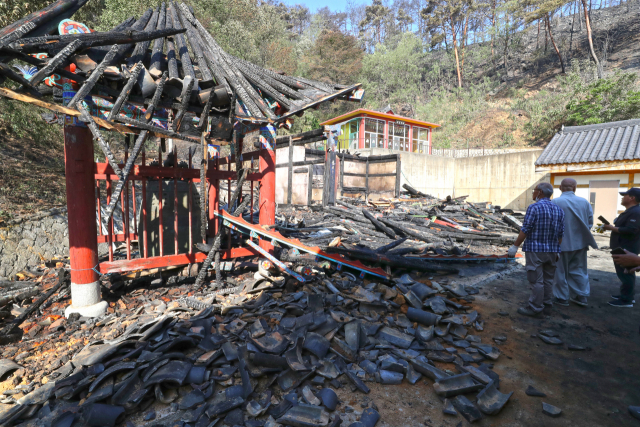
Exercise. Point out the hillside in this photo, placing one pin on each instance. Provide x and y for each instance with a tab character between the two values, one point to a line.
515	97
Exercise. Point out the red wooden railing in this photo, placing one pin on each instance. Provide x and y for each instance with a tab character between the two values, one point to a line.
140	174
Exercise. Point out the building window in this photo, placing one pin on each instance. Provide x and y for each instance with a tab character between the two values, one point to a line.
420	140
398	137
373	133
349	135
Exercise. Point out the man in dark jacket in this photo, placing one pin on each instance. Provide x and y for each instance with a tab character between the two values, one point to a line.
625	234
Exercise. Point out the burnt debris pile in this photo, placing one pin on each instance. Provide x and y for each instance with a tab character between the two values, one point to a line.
271	350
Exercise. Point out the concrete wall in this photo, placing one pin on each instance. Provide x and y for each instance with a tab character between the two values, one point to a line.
506	180
299	188
503	179
25	242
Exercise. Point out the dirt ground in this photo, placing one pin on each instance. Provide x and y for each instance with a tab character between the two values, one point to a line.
592	387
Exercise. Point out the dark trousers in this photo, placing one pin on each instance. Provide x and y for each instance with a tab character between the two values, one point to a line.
627	288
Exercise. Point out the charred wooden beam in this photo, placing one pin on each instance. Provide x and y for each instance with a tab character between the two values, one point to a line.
93	78
172	62
378	224
134	153
234	78
207	77
257	80
183	52
300	136
242	175
59	60
267	76
413	191
392	260
140	51
17	34
202	37
40	16
126	91
202	123
40	63
125	39
86	117
156	64
189	83
139	25
158	131
98	52
386	248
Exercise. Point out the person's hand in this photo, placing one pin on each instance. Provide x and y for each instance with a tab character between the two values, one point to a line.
629	260
608	227
513	250
631	270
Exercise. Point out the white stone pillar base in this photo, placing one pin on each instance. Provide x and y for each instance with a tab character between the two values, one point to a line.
85	300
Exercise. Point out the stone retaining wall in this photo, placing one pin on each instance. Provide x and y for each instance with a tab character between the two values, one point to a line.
27	241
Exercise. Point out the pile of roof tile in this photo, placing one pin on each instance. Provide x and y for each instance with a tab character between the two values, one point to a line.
272	352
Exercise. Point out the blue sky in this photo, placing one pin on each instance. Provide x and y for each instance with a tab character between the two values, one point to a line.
334	5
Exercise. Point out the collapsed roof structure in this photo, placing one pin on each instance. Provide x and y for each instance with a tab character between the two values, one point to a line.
162	73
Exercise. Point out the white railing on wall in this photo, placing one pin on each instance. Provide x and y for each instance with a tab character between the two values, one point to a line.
476	152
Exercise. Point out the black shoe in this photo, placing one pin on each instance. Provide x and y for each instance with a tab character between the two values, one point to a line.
617	297
526	311
562	302
620	303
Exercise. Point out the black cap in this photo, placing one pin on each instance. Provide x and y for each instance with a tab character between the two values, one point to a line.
635	192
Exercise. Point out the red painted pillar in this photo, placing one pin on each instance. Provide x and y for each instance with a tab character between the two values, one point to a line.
386	134
361	135
267	201
83	236
410	149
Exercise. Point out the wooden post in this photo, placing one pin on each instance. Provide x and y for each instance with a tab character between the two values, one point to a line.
366	180
290	171
398	175
267	202
310	186
341	178
81	211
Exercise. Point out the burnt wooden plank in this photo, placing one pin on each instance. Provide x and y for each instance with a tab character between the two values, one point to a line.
300	136
290	172
91	124
172	62
140	51
398	176
366	179
183	52
200	35
128	167
55	62
93	78
265	75
39	17
207	77
310	187
243	89
156	65
189	84
126	91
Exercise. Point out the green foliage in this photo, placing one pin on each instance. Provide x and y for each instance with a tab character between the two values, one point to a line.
394	75
335	57
605	100
581	100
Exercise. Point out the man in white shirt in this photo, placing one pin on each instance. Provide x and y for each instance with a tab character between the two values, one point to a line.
572	280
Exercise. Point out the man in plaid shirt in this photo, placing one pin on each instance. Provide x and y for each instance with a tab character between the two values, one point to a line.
542	231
